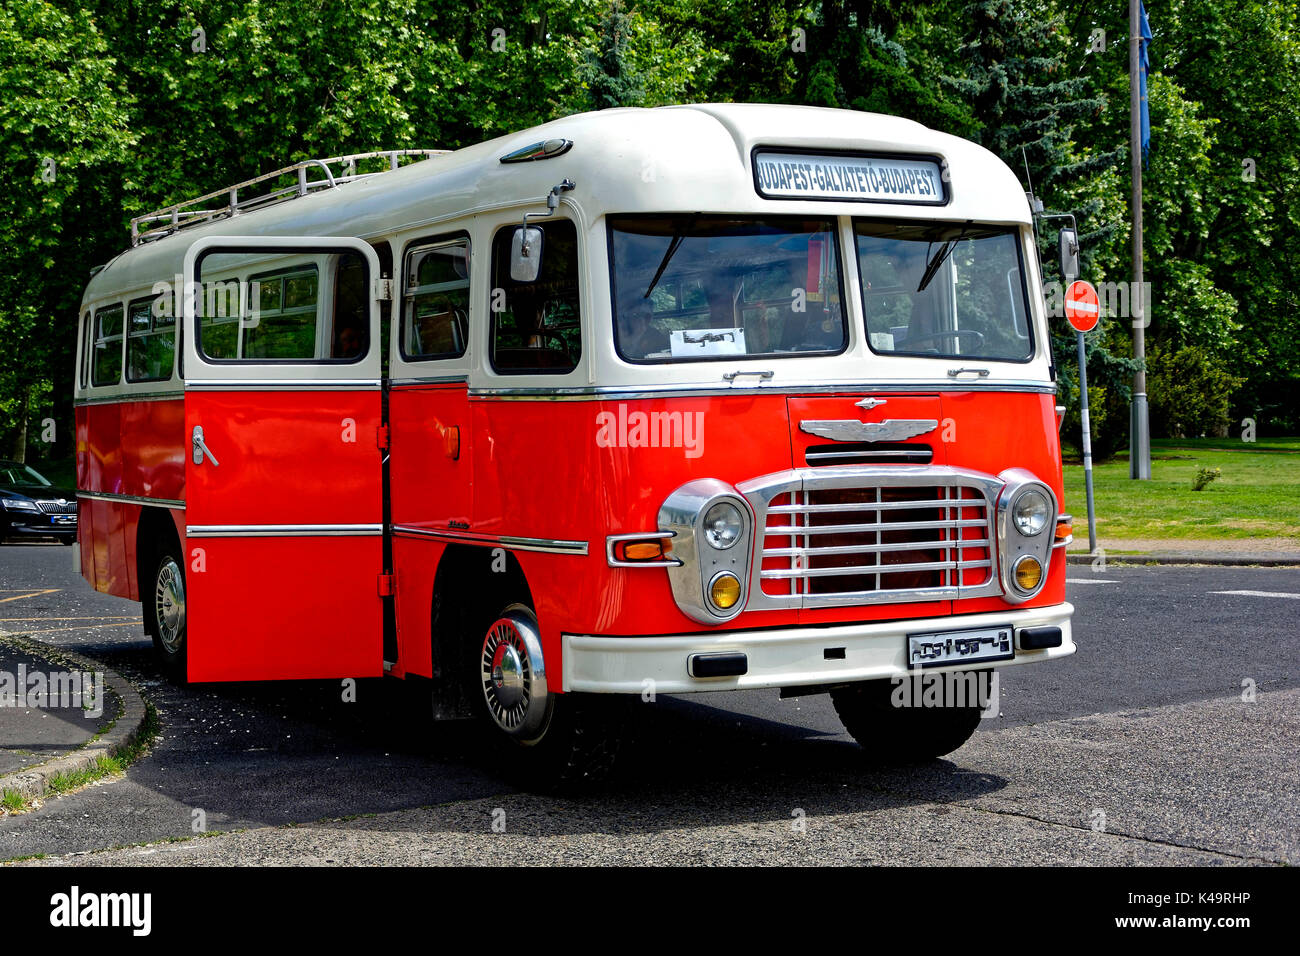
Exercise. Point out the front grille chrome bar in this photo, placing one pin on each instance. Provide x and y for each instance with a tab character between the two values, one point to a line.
929	535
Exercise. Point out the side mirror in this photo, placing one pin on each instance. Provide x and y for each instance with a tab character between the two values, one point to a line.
1069	249
526	254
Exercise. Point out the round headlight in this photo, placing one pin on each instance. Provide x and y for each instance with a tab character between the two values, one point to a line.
1031	513
1028	573
723	525
725	590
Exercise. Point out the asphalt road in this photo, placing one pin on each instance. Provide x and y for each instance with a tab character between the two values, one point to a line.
1138	749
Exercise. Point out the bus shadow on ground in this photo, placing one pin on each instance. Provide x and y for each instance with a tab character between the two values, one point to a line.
271	753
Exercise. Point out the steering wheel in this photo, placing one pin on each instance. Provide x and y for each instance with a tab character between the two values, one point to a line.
959	334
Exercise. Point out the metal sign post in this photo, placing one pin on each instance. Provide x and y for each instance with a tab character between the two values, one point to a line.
1083	310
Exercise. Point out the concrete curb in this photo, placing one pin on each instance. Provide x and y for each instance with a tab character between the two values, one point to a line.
34	782
1246	560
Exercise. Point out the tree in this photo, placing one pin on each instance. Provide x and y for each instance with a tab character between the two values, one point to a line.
611	78
62	123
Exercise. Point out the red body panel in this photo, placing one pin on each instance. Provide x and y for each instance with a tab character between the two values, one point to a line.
284	607
129	448
266	608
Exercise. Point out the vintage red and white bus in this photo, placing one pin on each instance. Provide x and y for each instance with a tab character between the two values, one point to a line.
636	402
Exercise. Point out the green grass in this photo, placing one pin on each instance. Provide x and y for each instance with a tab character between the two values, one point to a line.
1257	497
103	767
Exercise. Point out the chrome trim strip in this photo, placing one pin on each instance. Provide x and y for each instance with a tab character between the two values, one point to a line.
267	384
131	499
282	530
590	392
510	542
429	380
920	457
175	393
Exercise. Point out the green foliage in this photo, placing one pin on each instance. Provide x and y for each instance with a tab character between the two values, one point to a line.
139	106
1190	392
1204	476
611	78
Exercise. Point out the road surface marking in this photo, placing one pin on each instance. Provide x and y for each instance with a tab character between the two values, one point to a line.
1090	581
1277	594
115	617
27	594
79	627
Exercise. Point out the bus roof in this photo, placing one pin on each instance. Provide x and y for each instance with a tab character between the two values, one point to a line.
695	158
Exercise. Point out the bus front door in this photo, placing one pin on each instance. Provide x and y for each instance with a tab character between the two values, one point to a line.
284	519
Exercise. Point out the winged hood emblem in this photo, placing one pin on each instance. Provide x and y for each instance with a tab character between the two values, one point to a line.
891	429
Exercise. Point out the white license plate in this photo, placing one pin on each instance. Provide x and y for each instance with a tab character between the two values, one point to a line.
65	519
943	648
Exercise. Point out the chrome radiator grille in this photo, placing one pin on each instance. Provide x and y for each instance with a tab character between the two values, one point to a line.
53	507
842	536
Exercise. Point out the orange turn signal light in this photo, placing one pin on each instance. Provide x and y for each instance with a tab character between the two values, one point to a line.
643	550
1064	527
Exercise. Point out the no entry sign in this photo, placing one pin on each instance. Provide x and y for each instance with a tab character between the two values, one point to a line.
1082	308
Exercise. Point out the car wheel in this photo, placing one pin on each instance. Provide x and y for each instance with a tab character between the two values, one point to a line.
541	740
891	734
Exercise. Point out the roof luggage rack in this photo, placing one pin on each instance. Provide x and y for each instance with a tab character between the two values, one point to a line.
193	212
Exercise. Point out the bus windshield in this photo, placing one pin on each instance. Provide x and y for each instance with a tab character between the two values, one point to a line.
700	288
947	290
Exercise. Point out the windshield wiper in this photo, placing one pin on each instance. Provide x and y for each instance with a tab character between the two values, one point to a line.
932	267
668	255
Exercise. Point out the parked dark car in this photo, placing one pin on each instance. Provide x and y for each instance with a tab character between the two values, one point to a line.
31	507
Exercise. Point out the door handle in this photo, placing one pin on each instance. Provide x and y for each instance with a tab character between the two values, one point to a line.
200	448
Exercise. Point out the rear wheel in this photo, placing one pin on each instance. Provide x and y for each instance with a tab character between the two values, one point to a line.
899	735
165	614
541	739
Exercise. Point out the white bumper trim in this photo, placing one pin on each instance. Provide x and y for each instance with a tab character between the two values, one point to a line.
788	657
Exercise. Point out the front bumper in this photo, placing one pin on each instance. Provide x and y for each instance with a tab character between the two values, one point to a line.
788	657
21	524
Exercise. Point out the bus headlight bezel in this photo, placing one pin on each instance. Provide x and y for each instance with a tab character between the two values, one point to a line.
1016	544
701	561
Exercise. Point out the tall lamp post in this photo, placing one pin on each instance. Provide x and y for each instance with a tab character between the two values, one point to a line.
1139	424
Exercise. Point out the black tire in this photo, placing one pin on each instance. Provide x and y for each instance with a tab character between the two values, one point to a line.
901	735
68	541
575	744
165	612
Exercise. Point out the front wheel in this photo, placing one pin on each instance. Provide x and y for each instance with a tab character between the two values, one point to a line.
164	615
542	740
898	728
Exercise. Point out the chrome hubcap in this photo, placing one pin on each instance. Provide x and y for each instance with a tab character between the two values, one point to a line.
513	675
169	605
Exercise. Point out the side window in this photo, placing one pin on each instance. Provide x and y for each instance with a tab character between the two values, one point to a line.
308	310
535	325
83	362
150	342
435	304
351	326
286	307
106	363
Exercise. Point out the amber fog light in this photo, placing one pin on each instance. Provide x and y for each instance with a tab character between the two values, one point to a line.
724	590
1029	573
